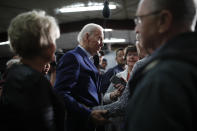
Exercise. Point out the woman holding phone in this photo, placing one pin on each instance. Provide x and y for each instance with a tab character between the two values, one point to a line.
118	82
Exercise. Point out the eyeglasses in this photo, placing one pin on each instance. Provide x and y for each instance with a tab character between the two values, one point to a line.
138	18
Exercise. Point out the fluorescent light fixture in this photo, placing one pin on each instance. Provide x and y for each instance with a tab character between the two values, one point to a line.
81	7
108	30
4	43
114	40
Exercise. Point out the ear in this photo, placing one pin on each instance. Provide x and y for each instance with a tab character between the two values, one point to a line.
165	21
86	36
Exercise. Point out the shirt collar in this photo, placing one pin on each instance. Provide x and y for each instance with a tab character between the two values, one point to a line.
87	53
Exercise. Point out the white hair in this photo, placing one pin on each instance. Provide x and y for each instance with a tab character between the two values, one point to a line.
32	31
11	62
194	22
89	28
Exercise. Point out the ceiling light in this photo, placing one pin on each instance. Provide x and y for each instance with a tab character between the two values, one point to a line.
114	40
4	43
107	30
82	7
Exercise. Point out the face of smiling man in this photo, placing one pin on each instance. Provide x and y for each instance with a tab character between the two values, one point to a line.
94	41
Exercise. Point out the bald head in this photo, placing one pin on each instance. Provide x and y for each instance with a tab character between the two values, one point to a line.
158	21
183	11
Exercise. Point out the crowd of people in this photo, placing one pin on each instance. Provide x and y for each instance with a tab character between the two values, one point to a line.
152	87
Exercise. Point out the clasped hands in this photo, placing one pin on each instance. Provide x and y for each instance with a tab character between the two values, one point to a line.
99	117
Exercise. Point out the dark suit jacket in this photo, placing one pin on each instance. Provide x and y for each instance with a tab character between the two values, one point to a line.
78	80
29	103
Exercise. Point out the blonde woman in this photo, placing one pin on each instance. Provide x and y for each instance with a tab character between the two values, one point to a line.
28	98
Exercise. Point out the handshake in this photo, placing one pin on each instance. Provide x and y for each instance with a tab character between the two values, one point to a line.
99	117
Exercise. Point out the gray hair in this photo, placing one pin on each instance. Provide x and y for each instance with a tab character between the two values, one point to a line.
183	11
32	31
89	28
11	62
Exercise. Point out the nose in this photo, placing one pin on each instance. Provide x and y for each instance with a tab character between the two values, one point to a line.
123	57
137	35
101	43
137	29
132	57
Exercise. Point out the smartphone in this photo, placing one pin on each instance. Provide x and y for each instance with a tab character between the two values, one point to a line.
116	80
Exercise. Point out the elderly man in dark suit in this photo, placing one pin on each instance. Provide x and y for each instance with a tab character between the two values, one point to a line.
78	81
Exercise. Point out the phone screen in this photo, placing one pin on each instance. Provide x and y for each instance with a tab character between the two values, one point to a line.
116	80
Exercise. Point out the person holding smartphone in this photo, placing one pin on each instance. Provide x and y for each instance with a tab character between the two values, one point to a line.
117	86
118	81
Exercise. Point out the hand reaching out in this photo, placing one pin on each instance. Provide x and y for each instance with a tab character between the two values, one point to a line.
98	117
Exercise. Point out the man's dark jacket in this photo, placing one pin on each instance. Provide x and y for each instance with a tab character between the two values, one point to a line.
164	91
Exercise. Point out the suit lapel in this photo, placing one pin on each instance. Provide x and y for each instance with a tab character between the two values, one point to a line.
91	65
87	60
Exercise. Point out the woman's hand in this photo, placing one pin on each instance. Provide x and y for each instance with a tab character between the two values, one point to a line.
118	92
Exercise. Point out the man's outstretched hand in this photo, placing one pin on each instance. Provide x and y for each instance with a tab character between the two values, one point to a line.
98	117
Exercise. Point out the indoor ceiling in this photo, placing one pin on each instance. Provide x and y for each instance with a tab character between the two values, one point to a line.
10	8
121	19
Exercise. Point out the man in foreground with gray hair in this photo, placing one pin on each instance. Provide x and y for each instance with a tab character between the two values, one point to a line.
78	81
163	92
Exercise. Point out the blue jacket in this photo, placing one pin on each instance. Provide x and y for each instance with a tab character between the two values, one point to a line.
78	81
